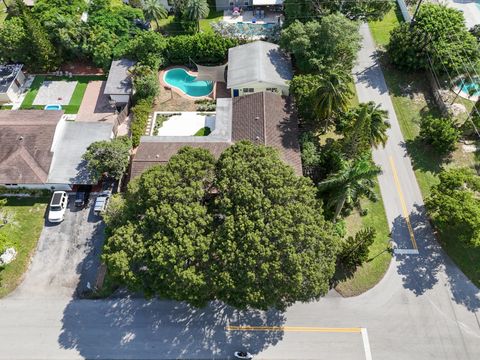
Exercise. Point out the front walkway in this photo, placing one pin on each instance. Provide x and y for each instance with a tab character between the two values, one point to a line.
95	105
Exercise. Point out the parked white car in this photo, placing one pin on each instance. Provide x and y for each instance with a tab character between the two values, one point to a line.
101	202
58	206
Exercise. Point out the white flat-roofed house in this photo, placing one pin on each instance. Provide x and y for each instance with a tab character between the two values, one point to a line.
119	86
11	82
256	67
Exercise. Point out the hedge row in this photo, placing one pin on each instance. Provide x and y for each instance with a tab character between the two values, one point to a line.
140	113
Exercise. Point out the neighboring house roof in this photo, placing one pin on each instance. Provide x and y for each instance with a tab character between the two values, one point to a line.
26	138
29	2
258	62
154	153
263	118
119	80
72	141
267	118
8	74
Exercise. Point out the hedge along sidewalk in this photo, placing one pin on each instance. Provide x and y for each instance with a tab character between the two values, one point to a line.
77	96
24	232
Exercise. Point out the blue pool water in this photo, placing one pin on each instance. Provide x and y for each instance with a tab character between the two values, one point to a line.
251	29
53	107
182	80
470	88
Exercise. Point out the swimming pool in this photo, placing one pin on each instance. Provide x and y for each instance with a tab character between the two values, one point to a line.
251	29
53	107
470	88
182	80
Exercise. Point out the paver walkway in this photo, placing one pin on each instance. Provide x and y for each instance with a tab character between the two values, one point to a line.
95	105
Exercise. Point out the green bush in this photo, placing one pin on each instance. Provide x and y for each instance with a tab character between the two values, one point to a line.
145	82
140	114
441	133
22	190
439	37
204	48
355	249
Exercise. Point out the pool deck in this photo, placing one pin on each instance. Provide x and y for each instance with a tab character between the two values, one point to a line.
168	87
247	16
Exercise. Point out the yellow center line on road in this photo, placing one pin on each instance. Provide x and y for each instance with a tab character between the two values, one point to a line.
402	201
294	328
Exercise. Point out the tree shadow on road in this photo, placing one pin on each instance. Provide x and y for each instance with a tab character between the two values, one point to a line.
422	272
126	327
131	326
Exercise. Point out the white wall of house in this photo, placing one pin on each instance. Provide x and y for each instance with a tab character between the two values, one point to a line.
247	89
14	89
63	187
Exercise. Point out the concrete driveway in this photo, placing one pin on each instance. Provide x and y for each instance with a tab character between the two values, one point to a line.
67	256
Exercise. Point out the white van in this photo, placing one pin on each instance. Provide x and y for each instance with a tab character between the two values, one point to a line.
58	206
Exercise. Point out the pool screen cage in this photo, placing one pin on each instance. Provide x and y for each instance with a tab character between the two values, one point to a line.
211	73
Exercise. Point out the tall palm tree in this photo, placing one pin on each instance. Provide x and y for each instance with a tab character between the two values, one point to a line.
368	128
197	10
352	181
154	10
332	94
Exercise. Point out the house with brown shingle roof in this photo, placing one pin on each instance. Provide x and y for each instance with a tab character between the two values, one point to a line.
26	138
264	118
39	149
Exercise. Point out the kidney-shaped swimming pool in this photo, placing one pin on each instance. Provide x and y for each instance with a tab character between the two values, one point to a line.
181	79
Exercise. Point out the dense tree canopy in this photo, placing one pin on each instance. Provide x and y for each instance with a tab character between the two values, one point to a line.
306	10
439	35
454	205
319	45
244	229
109	158
441	133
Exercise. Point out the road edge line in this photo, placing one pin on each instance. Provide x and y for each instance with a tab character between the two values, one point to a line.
366	344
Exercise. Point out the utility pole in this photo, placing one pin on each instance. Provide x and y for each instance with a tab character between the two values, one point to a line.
415	14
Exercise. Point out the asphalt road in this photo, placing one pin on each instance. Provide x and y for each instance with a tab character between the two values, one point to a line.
424	308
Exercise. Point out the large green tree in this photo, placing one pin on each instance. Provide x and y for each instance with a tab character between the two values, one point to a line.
272	243
454	205
319	45
354	180
367	126
332	95
438	37
154	11
305	10
245	230
108	158
319	98
196	10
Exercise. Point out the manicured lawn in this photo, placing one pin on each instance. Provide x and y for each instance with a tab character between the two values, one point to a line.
381	29
371	272
24	233
214	16
77	96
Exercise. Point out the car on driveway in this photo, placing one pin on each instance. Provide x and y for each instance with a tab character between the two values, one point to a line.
82	195
58	206
101	202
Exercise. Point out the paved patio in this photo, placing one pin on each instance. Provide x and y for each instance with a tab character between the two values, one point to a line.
55	92
247	16
95	105
185	124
